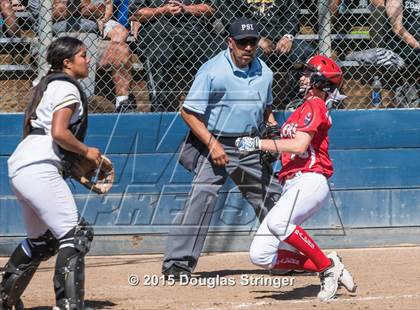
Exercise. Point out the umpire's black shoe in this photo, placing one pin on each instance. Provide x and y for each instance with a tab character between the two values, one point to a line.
175	272
128	105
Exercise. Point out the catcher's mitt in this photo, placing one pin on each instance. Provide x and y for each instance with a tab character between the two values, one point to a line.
269	131
273	132
97	179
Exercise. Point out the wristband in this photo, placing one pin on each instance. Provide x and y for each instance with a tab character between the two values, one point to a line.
290	37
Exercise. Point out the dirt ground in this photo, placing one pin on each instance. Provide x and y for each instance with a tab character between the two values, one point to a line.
387	278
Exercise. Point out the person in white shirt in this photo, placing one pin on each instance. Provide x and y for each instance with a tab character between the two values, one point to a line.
54	128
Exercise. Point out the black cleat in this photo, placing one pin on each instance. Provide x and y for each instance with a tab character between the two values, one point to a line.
175	272
17	306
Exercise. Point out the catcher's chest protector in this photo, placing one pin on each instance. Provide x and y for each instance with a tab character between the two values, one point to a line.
78	129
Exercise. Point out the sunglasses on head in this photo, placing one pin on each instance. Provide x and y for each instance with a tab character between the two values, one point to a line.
247	41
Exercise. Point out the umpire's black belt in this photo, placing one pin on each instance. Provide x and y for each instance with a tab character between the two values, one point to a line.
229	141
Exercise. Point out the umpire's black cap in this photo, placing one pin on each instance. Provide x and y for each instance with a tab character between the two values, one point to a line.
243	28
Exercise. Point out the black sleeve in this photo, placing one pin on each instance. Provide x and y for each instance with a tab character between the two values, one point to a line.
136	5
288	19
145	4
227	11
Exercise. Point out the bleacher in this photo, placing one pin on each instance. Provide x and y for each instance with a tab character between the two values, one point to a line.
25	20
351	32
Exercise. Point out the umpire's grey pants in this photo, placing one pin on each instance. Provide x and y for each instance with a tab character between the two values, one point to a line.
186	239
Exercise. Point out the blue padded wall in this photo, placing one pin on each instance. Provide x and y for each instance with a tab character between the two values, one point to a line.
376	155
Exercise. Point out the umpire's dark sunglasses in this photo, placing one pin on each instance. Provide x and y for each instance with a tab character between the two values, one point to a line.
247	41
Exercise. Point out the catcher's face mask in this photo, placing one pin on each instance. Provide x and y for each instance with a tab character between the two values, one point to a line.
305	81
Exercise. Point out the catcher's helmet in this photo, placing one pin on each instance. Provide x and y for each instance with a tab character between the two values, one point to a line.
324	72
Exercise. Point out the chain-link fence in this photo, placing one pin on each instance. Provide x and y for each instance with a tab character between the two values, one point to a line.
144	54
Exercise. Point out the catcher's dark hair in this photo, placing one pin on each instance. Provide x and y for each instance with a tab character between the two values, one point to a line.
61	49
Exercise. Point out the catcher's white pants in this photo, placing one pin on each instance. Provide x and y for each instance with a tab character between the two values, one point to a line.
46	200
301	197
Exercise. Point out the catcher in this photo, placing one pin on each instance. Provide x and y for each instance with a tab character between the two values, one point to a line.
54	128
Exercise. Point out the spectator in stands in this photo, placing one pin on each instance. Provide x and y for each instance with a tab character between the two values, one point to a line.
109	15
405	25
378	3
173	33
278	22
95	16
121	11
10	27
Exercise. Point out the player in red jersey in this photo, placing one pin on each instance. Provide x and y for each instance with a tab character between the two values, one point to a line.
306	166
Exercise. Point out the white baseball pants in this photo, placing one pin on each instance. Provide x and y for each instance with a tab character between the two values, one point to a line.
301	197
46	200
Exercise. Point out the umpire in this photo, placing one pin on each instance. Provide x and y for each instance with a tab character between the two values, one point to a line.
230	97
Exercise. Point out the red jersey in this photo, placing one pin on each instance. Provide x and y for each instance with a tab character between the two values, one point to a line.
311	116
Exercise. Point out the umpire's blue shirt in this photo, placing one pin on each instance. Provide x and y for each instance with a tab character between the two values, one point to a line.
231	100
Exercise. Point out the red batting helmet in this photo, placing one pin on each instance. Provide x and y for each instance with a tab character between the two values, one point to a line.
324	72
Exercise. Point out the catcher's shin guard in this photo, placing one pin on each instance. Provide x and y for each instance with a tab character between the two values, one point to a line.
21	267
69	277
15	281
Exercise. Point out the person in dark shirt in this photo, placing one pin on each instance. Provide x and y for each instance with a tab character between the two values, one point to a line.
404	20
173	33
278	22
8	19
110	17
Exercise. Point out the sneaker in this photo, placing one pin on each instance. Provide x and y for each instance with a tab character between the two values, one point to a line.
347	281
127	106
346	278
175	272
329	279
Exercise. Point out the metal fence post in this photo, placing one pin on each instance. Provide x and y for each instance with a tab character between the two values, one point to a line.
45	36
324	17
91	40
